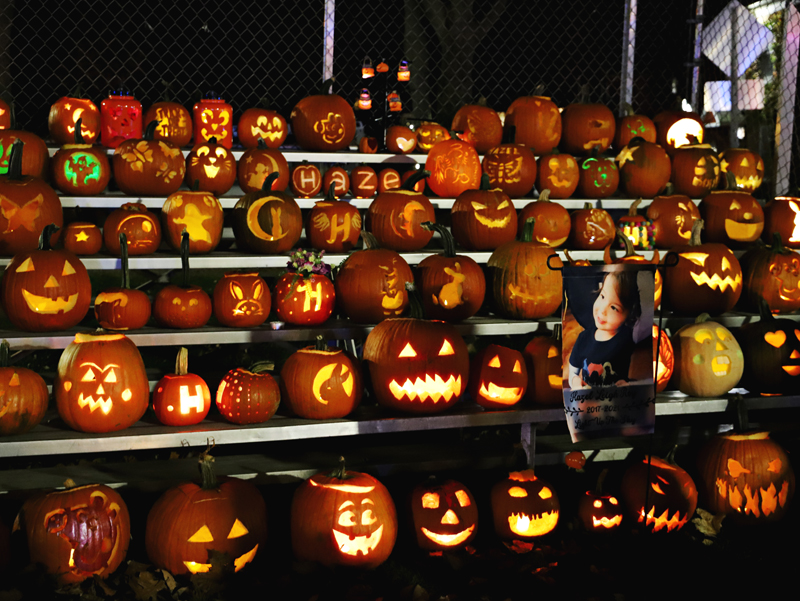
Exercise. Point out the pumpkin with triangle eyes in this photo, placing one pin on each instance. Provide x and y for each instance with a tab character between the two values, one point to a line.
731	217
485	218
23	396
211	165
746	166
445	515
498	377
262	124
771	350
524	506
599	512
190	521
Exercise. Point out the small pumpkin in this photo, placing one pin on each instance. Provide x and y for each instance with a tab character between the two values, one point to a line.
444	515
241	300
485	218
599	513
400	139
498	377
559	173
324	121
257	164
148	167
141	228
429	134
524	506
122	308
181	398
636	228
23	396
82	238
304	298
266	221
195	212
248	396
552	220
339	176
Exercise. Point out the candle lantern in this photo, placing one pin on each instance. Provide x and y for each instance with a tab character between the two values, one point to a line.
403	74
120	119
382	67
395	104
213	118
364	100
367	70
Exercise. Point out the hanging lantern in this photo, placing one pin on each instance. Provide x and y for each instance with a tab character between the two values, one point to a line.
367	69
403	74
395	104
364	100
382	67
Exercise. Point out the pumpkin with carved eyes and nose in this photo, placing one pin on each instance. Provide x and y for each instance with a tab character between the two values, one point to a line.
599	177
483	219
101	384
559	173
343	519
189	521
746	166
262	124
445	515
211	165
429	134
498	377
241	300
524	506
599	513
185	305
731	217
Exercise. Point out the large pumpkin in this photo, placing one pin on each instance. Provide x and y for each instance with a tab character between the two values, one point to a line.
552	220
483	219
324	121
23	396
444	515
148	167
454	166
196	212
395	217
771	273
586	126
524	506
535	122
510	167
644	168
101	384
266	221
64	117
481	123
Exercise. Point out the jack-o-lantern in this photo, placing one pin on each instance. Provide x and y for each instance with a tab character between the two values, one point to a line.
368	145
732	218
746	166
782	215
522	284
304	300
195	212
241	300
370	284
481	123
558	173
631	256
45	290
141	228
707	277
319	382
452	286
213	118
248	396
333	225
644	168
63	120
338	176
695	170
552	220
213	166
483	219
771	273
746	476
27	205
599	177
77	533
395	217
363	181
659	494
261	124
708	359
23	396
429	134
498	377
591	229
82	238
510	167
101	384
343	518
599	513
524	506
79	168
444	515
5	115
182	306
663	358
257	164
122	308
400	139
323	121
632	126
120	119
266	221
636	228
306	180
388	179
181	398
190	520
535	122
416	366
672	217
174	122
676	128
543	361
36	159
146	167
454	166
586	126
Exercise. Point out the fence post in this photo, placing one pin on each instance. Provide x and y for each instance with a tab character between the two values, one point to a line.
327	53
784	128
733	138
698	50
628	47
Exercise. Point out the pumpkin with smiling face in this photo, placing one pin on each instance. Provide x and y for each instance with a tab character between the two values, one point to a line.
746	166
771	350
483	219
211	165
343	519
262	124
323	121
182	306
771	273
552	220
429	134
445	515
732	218
266	221
498	377
599	177
672	217
190	520
599	513
524	506
558	173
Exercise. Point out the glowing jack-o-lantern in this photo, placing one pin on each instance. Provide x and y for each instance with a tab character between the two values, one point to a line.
731	217
543	361
336	175
174	122
445	515
266	221
23	396
63	120
306	180
747	476
248	396
695	170
120	119
196	212
668	490
213	118
483	219
181	398
558	173
771	273
663	359
323	121
36	159
395	217
771	349
591	229
261	124
141	228
188	521
256	164
363	181
241	300
212	166
333	225
454	166
524	506
429	134
599	512
80	169
304	300
101	384
672	218
644	168
185	305
632	126
510	167
77	533
481	123
498	377
148	167
400	139
678	128
599	177
782	216
82	238
345	518
552	221
746	166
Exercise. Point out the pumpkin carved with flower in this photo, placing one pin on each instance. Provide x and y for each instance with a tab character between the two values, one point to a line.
148	167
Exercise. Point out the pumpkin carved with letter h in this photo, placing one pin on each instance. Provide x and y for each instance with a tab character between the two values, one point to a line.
304	295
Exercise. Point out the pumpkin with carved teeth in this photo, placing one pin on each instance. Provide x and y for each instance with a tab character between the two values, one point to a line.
746	166
445	515
498	377
524	506
483	219
262	124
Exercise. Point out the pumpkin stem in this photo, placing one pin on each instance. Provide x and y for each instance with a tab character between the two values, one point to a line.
742	420
123	253
5	348
598	488
261	367
77	135
544	195
212	140
730	181
764	311
15	161
539	89
340	472
587	206
697	227
629	251
182	362
633	210
70	483
166	95
150	132
330	194
327	86
527	229
485	183
569	258
370	241
447	238
185	257
46	235
627	110
583	96
670	458
320	344
207	469
266	187
414	180
702	318
262	144
415	304
777	243
557	331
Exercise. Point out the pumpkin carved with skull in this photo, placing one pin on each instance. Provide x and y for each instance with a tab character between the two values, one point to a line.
498	377
445	515
343	518
524	506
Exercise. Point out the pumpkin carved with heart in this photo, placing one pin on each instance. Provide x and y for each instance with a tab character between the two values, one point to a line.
524	506
445	515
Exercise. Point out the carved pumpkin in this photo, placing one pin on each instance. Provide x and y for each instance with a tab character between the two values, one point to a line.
306	180
120	119
483	219
174	122
630	256
481	123
544	365
370	284
343	519
663	359
77	533
146	167
746	166
395	217
213	166
591	229
695	170
676	128
552	220
708	359
101	384
189	520
23	396
524	506
510	167
454	166
772	274
498	377
388	179
444	515
400	139
363	181
304	300
536	123
599	177
262	124
63	119
80	169
141	228
184	306
5	115
319	382
181	398
82	238
429	134
197	213
336	175
241	300
747	476
122	308
586	126
632	126
558	173
324	121
661	495
213	118
257	164
598	512
672	217
731	218
644	168
782	215
333	225
266	221
36	159
45	290
368	145
523	286
248	396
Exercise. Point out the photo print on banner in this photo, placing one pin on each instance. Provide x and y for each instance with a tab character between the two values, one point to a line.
607	351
